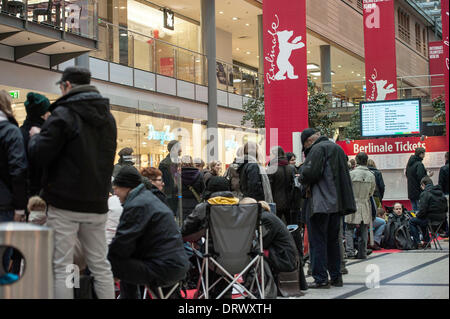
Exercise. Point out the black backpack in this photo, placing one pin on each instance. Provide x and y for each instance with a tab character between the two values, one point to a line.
403	238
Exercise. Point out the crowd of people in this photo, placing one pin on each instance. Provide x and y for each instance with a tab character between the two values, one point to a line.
119	224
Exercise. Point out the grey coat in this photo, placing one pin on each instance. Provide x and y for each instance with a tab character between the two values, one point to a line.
363	187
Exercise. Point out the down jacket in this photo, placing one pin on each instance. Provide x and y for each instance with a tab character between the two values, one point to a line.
76	148
13	166
147	232
433	204
363	188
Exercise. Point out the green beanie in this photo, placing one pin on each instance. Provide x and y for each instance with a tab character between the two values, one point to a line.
36	104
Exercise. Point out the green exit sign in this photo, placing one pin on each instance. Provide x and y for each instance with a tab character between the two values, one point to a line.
14	94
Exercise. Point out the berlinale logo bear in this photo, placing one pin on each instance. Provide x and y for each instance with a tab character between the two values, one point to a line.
285	47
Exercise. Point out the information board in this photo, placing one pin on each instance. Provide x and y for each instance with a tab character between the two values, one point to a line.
391	118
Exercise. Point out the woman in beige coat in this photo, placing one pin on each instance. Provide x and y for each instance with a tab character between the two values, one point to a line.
363	188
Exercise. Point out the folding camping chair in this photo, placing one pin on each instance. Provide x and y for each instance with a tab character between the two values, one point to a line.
236	235
434	227
160	294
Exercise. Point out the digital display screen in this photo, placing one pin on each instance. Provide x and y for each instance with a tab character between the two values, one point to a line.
391	118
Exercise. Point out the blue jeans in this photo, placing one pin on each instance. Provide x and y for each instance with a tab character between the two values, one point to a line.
415	204
323	235
378	224
7	216
414	225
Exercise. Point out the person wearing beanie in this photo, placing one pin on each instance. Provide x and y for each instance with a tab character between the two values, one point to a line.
147	248
37	109
217	192
125	158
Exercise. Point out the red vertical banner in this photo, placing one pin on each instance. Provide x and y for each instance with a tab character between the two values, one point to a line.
437	60
444	9
379	47
285	74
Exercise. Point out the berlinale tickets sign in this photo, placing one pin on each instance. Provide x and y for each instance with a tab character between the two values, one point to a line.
285	74
379	47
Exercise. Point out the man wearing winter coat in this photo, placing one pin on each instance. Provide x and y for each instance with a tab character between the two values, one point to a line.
325	175
147	248
76	148
363	188
169	169
433	207
415	171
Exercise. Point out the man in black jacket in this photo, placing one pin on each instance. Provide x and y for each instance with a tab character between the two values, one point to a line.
76	148
415	171
326	176
433	206
169	169
147	248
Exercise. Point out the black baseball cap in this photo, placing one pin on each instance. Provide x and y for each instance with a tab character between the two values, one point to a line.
76	75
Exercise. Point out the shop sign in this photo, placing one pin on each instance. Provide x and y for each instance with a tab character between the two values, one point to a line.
436	58
169	19
231	144
285	78
162	136
379	47
14	94
394	153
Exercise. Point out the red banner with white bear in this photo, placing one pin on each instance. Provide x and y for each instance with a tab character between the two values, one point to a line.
379	48
285	74
445	18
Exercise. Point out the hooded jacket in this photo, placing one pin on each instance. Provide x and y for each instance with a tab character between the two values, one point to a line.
415	171
233	176
282	183
155	191
76	148
433	204
147	232
13	166
326	173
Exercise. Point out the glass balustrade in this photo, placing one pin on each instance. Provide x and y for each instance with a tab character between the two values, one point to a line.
75	16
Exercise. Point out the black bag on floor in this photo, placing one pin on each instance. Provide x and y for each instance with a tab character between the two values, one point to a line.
403	238
86	290
290	284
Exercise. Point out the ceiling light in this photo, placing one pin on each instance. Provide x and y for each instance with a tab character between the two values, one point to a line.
123	8
237	81
235	18
316	73
247	24
220	12
353	72
248	52
312	66
339	66
123	35
358	74
309	52
237	49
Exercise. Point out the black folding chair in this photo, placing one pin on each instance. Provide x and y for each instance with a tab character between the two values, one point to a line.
434	227
236	233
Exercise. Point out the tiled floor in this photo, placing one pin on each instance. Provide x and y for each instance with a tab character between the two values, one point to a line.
402	275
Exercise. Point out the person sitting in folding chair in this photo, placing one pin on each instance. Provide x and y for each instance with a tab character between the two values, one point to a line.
147	248
432	208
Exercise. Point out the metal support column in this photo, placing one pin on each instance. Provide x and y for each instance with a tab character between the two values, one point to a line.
208	25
